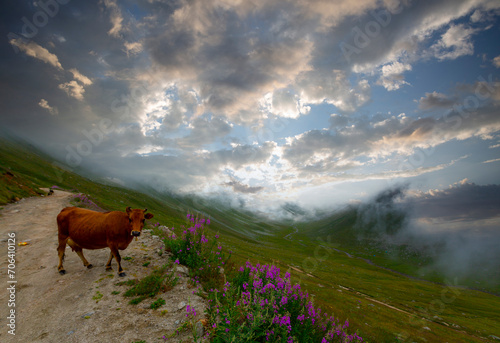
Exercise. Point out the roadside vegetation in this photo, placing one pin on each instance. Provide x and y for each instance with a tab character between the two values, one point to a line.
258	304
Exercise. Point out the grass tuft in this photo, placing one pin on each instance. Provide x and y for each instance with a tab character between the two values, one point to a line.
160	280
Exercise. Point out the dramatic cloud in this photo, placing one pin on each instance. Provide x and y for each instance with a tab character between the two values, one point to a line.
264	99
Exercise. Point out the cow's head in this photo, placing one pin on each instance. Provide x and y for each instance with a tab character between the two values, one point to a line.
136	219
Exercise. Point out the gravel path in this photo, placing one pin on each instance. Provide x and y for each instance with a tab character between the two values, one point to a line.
80	306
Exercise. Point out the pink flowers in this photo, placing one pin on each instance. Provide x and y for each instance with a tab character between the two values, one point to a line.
262	303
190	311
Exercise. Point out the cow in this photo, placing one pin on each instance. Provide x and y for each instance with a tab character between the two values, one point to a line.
85	229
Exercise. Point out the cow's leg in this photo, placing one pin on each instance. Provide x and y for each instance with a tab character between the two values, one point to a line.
108	264
79	251
118	259
60	251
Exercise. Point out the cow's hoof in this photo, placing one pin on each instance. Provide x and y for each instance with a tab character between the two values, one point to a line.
122	274
89	266
62	272
108	269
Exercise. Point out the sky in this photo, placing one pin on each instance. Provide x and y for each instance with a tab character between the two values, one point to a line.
317	103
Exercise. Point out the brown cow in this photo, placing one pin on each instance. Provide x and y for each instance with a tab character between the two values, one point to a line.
86	229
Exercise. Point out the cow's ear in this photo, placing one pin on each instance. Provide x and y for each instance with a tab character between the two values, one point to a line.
128	210
148	215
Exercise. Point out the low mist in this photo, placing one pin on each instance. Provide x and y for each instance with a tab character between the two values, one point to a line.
455	232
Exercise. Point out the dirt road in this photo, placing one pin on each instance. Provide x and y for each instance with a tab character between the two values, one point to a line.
81	306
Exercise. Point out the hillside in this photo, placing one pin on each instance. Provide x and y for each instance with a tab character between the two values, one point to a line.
382	305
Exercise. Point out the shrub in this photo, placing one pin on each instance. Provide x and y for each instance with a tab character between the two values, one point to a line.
203	254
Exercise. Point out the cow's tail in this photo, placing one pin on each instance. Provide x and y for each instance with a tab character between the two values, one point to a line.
63	235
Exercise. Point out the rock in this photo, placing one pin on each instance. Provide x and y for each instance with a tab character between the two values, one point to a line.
181	305
426	328
182	269
494	337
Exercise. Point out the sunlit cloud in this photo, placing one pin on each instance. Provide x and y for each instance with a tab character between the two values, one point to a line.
34	50
44	104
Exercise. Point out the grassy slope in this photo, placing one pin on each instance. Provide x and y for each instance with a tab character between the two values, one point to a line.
347	287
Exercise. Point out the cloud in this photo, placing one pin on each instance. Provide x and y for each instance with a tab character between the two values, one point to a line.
284	103
205	130
34	50
242	188
133	47
73	89
232	66
44	104
80	77
355	142
392	75
463	200
496	61
115	17
454	43
493	160
435	100
333	88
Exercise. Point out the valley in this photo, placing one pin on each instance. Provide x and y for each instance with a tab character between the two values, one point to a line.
383	298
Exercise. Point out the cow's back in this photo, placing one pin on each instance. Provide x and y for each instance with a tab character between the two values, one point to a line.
86	228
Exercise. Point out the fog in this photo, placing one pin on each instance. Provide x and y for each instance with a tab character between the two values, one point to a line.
458	228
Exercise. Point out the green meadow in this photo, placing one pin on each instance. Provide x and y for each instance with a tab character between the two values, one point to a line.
381	293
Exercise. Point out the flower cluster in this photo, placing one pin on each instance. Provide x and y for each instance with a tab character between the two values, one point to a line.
83	200
262	306
195	249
